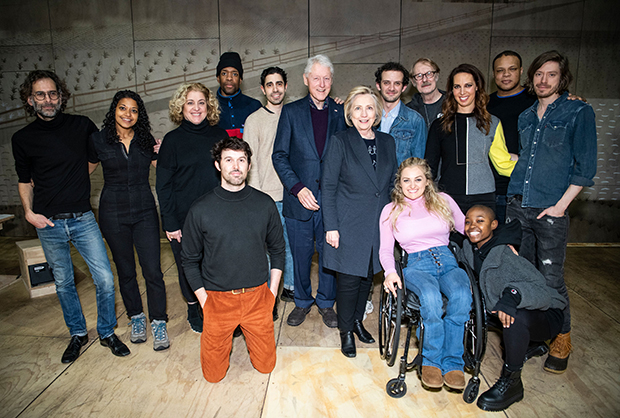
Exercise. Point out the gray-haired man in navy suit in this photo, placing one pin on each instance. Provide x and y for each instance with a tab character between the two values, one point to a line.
304	130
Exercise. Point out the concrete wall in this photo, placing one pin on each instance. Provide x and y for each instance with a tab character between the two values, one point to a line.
151	46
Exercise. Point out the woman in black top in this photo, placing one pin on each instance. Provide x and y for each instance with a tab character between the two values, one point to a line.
358	175
464	139
127	211
185	171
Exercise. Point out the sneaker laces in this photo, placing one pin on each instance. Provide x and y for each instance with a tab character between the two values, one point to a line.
159	331
138	324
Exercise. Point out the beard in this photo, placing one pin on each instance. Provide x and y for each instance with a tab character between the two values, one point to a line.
232	180
549	92
44	110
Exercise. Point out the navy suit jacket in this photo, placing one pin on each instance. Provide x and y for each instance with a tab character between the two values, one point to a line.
295	156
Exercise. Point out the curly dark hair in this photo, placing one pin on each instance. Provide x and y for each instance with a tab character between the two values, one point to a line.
142	128
450	106
232	143
25	90
392	66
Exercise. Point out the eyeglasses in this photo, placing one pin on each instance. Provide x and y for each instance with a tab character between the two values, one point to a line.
420	76
39	96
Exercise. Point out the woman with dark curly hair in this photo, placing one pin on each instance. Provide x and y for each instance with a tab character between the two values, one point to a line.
185	171
464	139
127	211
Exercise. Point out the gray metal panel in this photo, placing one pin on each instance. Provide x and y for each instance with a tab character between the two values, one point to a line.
24	22
353	17
165	19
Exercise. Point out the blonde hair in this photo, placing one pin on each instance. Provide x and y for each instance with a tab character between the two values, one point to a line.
358	91
180	97
434	203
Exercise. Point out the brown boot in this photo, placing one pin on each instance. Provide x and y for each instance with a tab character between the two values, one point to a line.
455	380
559	351
431	377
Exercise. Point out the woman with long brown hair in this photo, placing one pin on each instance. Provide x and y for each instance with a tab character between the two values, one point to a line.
463	140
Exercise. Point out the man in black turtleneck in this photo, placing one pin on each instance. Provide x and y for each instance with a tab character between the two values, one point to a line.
224	239
52	168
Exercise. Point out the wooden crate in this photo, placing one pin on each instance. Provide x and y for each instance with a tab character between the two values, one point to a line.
30	252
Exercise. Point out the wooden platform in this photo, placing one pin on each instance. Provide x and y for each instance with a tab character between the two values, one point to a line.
311	379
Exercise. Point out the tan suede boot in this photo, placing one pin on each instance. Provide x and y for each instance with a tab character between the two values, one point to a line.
559	351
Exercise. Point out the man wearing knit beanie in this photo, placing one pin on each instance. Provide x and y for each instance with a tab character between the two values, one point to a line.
235	107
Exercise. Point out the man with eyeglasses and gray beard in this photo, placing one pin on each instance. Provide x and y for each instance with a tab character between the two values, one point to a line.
52	168
428	100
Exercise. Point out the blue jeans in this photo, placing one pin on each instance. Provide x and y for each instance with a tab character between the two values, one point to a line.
84	233
429	274
287	274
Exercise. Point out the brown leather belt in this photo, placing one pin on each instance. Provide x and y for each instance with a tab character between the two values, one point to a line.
243	290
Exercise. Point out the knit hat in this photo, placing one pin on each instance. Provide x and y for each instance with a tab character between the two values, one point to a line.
230	59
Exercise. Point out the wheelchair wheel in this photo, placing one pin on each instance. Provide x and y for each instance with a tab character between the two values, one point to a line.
471	391
396	388
475	329
390	317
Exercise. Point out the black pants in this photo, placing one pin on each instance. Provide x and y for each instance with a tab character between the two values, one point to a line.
351	296
186	289
529	326
144	235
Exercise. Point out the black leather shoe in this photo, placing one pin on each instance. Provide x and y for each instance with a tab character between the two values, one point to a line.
73	349
347	343
287	295
115	345
363	335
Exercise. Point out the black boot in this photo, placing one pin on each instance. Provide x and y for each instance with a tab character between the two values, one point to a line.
275	310
507	390
363	335
347	343
194	316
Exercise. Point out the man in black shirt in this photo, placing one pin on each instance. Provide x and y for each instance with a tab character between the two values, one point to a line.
52	168
507	103
224	239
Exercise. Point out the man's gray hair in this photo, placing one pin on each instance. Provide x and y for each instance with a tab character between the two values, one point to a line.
321	60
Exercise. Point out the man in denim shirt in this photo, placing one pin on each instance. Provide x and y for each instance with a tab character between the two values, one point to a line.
404	124
557	159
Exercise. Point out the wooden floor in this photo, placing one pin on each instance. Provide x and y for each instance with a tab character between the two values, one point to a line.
312	378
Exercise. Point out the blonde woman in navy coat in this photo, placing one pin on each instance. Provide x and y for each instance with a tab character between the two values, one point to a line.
358	175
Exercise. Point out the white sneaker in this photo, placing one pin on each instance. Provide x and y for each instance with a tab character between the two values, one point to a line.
138	328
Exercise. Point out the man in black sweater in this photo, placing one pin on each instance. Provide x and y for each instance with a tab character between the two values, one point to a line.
224	239
52	168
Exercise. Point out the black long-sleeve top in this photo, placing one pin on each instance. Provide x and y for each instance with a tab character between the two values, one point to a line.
54	154
185	170
126	193
224	240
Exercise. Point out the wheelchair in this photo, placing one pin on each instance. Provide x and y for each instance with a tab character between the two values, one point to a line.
405	310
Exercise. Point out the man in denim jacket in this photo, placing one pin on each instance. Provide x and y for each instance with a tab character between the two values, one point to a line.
557	158
406	125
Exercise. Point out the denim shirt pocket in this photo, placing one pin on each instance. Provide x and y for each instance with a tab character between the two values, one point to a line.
555	133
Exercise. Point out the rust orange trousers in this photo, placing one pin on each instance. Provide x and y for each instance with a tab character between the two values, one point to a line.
223	311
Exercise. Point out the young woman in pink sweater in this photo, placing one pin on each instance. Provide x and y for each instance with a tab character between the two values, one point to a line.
421	219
